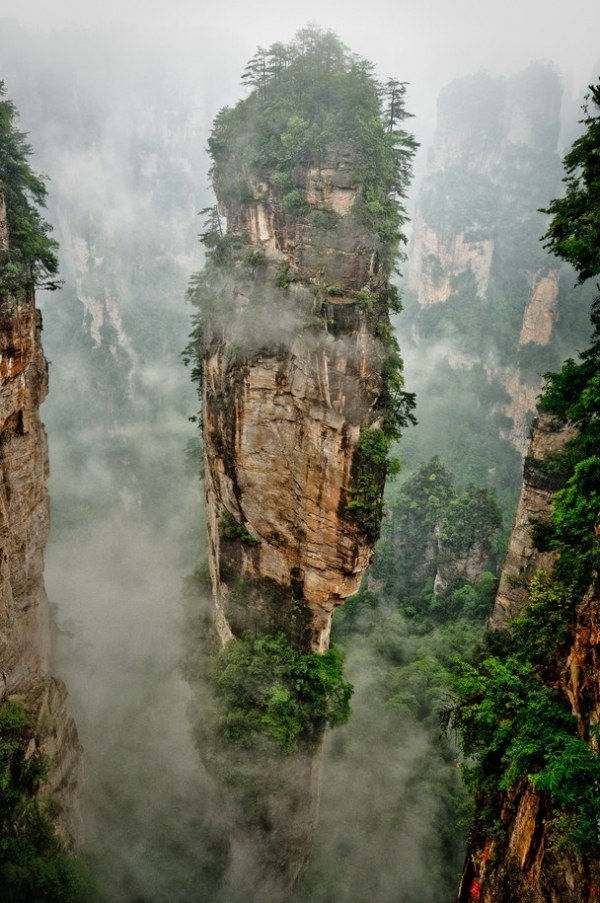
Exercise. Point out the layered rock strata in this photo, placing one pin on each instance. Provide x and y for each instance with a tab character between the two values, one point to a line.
25	628
290	379
295	338
549	437
528	863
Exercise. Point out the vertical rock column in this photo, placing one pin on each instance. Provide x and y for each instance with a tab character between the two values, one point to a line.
291	377
25	630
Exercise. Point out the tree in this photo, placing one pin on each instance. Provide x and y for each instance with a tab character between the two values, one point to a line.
574	232
32	254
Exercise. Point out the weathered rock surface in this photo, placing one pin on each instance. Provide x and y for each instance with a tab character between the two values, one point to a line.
292	358
529	868
283	409
523	560
528	864
25	628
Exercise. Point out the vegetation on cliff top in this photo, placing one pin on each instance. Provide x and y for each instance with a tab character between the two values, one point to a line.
32	254
310	96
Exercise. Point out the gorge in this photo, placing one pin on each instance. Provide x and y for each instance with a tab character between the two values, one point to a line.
292	333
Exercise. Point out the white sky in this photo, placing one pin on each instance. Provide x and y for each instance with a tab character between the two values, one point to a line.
424	42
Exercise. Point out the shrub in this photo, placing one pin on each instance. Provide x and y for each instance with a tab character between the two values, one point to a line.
267	690
34	865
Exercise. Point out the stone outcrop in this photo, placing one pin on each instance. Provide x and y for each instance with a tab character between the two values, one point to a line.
539	315
529	869
529	865
289	383
523	560
25	628
293	351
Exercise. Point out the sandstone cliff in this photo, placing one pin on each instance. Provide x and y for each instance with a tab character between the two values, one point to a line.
25	628
291	377
302	392
524	857
523	560
283	410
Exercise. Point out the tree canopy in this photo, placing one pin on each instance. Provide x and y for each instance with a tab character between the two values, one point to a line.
32	253
306	96
574	232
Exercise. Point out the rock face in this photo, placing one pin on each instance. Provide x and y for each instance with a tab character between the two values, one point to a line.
523	859
523	560
301	394
25	630
529	865
286	395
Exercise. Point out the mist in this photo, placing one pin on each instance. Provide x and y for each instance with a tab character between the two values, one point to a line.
118	100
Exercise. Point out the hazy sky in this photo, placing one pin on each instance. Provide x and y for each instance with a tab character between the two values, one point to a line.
428	42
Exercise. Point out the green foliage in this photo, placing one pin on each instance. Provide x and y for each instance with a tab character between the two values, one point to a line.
266	689
32	254
574	232
517	727
370	466
431	522
396	404
470	517
308	96
508	714
573	394
232	530
282	279
294	202
33	862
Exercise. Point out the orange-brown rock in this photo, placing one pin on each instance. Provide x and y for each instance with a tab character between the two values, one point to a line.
526	859
529	863
523	560
25	627
289	382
